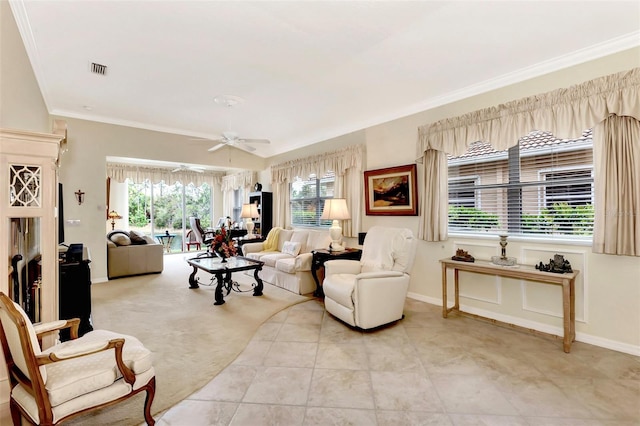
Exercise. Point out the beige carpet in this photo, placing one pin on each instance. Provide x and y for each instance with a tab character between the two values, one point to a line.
191	339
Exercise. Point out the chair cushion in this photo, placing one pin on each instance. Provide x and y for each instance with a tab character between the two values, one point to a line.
339	287
74	377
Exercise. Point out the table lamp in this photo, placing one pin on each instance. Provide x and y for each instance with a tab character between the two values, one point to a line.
335	209
113	215
249	211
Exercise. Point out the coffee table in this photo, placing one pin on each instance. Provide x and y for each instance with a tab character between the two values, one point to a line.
221	271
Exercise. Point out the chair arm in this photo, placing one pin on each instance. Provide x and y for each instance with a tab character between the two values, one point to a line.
303	262
252	247
342	266
42	328
88	349
378	274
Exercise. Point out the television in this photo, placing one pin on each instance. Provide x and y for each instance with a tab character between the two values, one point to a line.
60	216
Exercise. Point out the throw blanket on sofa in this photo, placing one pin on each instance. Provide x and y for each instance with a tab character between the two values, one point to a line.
271	243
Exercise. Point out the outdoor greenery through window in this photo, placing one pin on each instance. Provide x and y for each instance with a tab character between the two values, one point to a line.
160	208
541	187
307	200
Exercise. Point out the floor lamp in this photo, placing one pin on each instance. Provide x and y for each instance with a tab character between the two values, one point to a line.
335	209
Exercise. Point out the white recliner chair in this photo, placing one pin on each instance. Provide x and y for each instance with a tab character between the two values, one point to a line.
372	291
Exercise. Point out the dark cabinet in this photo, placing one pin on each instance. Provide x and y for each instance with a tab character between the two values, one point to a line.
264	202
75	295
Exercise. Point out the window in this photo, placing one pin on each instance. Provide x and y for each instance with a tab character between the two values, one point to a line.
158	208
307	200
542	186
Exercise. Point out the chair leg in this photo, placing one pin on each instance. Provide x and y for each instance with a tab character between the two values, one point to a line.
151	392
16	415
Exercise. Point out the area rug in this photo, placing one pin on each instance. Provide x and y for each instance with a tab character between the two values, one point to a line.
191	339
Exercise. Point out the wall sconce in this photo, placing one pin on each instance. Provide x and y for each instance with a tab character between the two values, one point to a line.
79	196
113	215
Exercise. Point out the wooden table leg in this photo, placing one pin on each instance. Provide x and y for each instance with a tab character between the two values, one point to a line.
444	290
193	282
257	291
218	295
456	290
572	295
566	315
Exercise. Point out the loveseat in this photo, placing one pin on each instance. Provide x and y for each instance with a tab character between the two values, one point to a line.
133	253
286	254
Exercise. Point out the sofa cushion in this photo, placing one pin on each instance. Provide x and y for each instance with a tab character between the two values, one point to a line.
286	265
291	247
283	237
300	236
137	238
271	258
318	240
121	239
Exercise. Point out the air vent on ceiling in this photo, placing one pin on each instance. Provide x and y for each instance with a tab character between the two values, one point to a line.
98	68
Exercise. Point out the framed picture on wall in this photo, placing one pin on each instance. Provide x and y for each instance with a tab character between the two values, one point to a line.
392	191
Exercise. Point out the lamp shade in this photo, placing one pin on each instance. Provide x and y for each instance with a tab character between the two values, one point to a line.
335	209
249	211
114	215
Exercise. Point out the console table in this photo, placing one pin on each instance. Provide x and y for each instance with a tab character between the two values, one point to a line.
523	272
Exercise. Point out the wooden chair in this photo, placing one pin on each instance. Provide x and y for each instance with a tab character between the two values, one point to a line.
192	240
69	379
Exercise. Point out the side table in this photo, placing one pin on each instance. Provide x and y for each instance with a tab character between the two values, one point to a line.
323	255
240	241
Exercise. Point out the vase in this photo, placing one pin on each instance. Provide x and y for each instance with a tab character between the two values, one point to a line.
221	255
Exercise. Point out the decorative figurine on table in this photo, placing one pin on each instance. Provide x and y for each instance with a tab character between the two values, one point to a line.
558	265
463	256
503	259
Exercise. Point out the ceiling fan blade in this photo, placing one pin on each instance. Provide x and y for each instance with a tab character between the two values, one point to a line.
254	141
216	147
242	146
177	169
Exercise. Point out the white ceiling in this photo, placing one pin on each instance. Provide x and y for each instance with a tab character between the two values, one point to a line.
308	71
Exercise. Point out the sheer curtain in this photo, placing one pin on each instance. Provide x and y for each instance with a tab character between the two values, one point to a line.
233	182
564	112
346	163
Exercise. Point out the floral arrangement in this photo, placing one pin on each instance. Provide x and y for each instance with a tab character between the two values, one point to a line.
222	245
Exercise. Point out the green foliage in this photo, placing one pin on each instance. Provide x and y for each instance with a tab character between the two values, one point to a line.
560	218
471	218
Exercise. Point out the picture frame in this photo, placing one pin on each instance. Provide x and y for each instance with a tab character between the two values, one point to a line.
392	191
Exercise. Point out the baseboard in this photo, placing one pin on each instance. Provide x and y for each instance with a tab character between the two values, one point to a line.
99	280
545	328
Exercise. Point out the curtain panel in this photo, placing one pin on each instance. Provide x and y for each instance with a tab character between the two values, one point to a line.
233	182
566	113
139	174
346	163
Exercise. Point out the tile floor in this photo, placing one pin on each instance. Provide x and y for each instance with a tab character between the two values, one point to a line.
303	367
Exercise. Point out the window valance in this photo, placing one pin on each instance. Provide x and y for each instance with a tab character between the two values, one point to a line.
238	180
139	174
565	112
338	162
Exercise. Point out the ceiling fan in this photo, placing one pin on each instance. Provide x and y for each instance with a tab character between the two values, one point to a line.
232	139
183	168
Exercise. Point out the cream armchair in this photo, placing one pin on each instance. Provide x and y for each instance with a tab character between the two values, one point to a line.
53	385
372	291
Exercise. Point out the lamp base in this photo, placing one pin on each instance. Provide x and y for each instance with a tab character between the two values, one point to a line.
336	246
249	225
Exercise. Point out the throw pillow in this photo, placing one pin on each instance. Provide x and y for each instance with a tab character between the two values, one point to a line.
290	247
121	239
137	238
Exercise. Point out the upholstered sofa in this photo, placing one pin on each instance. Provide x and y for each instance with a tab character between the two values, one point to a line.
286	254
132	253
